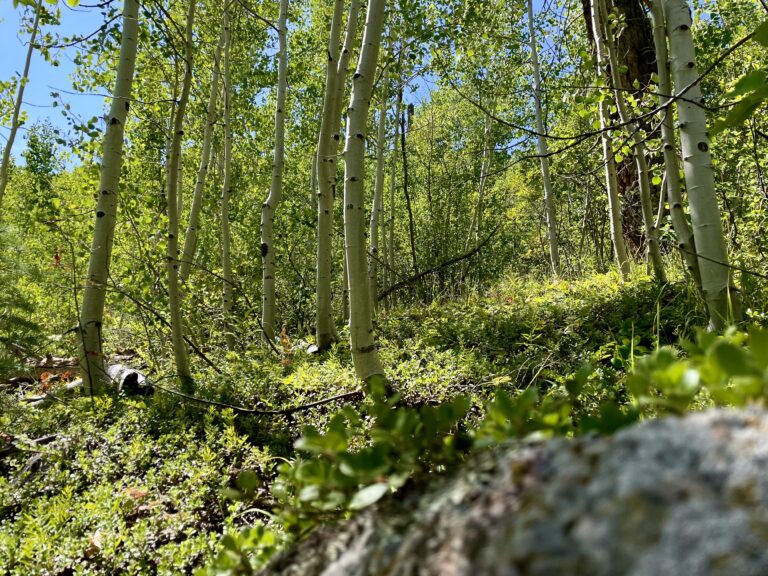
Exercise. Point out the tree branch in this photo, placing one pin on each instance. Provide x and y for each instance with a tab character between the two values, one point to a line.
437	268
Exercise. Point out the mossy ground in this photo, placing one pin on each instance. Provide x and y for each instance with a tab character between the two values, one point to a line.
144	486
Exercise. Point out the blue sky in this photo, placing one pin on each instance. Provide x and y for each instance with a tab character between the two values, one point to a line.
43	77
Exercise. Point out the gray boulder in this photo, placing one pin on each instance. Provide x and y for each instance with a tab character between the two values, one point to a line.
672	497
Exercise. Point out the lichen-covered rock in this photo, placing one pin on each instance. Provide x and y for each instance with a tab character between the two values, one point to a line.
678	497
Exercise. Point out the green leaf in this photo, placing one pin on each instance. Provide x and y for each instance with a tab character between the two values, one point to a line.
248	481
229	542
232	494
656	180
611	418
748	83
758	343
761	34
733	360
743	110
368	495
309	493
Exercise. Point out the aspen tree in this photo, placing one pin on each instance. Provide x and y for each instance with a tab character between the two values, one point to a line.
270	205
543	149
404	127
485	166
179	187
313	184
342	70
325	332
17	104
722	297
328	151
638	148
193	223
393	183
91	358
614	207
344	290
180	355
364	354
378	194
226	241
685	241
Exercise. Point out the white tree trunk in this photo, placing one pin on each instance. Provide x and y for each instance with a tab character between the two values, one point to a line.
378	196
722	297
313	184
180	355
92	310
269	207
364	353
614	207
393	189
685	241
180	188
325	332
193	223
350	35
226	241
543	149
17	105
342	70
638	148
477	217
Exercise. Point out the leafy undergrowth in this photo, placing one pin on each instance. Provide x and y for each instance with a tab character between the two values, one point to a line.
161	485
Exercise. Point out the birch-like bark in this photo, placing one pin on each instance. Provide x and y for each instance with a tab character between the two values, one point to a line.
270	205
614	207
543	149
721	295
4	167
325	332
179	188
193	222
313	184
485	166
638	149
378	196
345	290
685	241
364	354
169	133
180	356
393	189
404	151
90	354
342	70
226	240
350	35
384	225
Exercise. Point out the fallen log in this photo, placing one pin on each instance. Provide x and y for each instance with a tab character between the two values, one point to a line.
13	447
127	380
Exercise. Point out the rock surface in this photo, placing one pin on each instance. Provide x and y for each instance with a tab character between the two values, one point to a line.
678	496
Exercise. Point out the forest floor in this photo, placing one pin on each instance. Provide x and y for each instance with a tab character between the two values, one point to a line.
149	485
